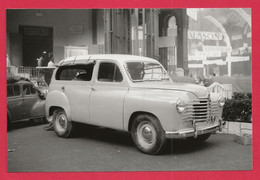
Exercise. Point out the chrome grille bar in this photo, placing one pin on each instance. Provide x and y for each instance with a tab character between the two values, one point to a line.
200	110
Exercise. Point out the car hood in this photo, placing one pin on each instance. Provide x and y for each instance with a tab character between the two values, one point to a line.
199	91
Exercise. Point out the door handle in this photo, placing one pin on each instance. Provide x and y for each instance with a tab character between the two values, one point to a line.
63	88
93	89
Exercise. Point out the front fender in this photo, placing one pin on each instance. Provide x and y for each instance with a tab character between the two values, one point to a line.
57	98
161	104
38	109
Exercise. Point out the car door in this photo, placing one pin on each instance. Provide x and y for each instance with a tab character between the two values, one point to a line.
107	96
75	82
30	98
15	102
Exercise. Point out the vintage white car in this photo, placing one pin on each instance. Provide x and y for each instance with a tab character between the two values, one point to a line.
130	93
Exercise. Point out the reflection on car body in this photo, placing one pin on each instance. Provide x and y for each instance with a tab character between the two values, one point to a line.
41	85
134	94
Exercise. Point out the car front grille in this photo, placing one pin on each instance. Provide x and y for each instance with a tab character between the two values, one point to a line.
201	110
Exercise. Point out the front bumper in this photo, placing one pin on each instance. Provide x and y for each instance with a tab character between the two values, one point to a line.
195	131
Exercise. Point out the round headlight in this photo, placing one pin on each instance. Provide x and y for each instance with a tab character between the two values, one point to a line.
180	105
221	101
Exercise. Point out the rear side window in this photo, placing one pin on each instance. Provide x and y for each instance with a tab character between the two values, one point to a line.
76	72
29	89
10	91
13	90
109	72
26	89
32	89
17	91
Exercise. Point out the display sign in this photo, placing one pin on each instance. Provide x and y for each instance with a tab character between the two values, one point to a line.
36	31
238	58
218	62
197	58
77	29
193	13
201	35
195	66
217	49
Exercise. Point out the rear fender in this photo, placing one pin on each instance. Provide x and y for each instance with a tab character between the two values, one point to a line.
57	99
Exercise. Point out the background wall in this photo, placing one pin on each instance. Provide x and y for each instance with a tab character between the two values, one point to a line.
62	21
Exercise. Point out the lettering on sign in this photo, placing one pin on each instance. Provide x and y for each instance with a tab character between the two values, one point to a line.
77	29
217	49
218	62
238	58
205	35
35	31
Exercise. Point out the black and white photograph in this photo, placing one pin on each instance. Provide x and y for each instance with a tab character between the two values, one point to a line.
129	90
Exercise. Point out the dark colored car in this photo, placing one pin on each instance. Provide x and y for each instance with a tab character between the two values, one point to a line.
24	101
41	85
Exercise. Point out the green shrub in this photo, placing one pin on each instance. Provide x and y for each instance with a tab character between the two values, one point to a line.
239	108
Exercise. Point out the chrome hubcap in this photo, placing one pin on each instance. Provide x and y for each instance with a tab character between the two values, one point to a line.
61	124
146	135
62	121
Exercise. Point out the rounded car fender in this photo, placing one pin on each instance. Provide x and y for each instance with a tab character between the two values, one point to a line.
57	98
161	105
38	109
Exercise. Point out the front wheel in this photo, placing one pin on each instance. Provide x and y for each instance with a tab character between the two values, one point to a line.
62	126
148	134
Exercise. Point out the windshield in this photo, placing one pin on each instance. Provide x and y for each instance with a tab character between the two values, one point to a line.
146	71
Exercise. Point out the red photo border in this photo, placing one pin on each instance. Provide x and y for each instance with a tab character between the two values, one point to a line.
65	4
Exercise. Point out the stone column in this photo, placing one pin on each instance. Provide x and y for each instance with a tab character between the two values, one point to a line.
182	39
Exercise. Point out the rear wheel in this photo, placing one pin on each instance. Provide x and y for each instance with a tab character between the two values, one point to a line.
62	126
148	134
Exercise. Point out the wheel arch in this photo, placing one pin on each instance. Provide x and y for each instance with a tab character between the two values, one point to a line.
53	108
137	113
56	100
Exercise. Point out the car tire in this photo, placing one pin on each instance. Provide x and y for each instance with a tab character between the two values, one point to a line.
62	125
148	134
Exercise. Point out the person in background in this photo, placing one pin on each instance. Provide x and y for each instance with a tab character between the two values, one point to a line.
39	61
50	63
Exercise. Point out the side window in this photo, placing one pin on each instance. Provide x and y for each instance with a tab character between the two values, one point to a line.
118	75
17	91
10	91
109	72
32	89
26	89
77	72
13	90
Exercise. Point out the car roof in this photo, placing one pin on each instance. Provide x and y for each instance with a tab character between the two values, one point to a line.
17	79
20	82
87	59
